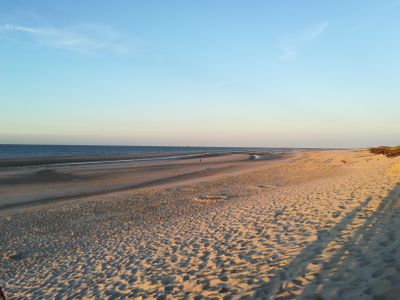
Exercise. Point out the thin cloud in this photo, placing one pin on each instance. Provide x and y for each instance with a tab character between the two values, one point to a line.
292	45
84	38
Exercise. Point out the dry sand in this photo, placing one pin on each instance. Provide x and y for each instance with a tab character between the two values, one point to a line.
307	227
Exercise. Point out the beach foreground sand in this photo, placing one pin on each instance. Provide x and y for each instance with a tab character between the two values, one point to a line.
315	225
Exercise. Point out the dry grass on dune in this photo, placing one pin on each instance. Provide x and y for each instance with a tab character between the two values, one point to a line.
385	150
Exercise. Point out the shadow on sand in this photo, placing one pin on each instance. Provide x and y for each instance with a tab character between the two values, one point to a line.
357	258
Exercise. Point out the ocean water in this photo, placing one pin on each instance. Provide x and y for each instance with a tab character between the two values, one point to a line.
24	151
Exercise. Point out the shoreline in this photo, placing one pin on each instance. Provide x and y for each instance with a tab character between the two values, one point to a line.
7	163
61	160
49	184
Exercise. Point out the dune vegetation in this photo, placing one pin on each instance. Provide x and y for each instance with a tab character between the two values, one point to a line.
385	150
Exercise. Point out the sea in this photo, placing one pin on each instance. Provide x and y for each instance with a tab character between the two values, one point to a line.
27	151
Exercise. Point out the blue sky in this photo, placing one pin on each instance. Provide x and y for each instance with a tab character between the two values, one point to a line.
218	73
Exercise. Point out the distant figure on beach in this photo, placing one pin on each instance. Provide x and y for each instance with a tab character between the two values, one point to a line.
2	297
200	159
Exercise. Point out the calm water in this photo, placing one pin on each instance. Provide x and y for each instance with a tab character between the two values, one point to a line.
15	151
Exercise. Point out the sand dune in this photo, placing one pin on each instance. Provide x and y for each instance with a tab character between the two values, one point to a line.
318	225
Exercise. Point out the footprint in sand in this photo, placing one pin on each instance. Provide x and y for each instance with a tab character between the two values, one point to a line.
211	198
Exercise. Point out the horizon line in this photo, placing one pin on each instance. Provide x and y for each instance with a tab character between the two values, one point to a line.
177	146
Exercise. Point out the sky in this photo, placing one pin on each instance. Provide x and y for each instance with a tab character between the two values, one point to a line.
200	73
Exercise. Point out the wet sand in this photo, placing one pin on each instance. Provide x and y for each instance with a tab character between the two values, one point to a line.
97	159
312	225
50	183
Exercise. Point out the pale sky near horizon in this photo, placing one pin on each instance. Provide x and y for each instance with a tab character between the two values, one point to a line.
201	73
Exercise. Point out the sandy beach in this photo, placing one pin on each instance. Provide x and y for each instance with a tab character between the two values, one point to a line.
305	225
